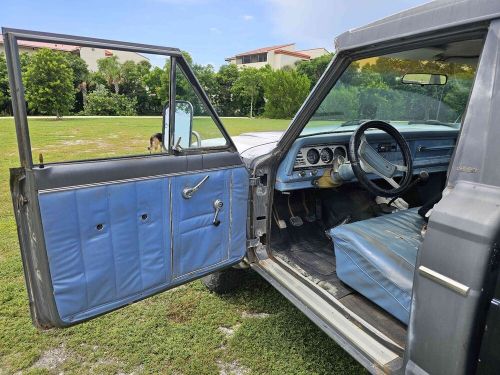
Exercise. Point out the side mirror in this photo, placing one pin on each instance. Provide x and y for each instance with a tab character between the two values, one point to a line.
183	123
424	79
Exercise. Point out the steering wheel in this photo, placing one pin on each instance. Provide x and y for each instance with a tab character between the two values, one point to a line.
365	159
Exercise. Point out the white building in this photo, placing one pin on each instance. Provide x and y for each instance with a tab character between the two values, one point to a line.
88	54
275	56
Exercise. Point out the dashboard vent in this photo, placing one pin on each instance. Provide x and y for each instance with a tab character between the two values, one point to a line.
299	160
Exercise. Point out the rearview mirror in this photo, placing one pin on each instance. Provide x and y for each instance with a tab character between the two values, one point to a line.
183	123
424	79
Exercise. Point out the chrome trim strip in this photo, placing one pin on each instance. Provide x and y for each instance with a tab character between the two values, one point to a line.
72	187
229	242
171	229
444	281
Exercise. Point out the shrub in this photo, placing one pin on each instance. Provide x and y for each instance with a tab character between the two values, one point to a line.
284	90
101	102
49	83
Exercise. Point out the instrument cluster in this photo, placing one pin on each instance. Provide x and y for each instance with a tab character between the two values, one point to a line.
318	156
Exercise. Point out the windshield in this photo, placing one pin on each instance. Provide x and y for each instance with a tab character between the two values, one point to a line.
377	88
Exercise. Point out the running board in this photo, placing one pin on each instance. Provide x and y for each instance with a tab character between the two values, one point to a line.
373	355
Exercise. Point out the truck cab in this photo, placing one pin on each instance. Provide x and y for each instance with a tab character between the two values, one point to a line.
376	213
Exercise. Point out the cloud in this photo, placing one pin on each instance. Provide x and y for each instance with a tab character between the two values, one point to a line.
308	22
214	30
248	17
316	23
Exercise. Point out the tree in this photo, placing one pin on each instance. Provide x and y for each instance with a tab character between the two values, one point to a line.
4	84
342	102
224	99
143	67
285	91
153	84
314	68
79	68
24	61
49	83
249	86
80	79
132	83
110	69
207	77
101	102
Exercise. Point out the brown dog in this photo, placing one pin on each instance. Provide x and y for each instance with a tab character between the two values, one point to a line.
155	143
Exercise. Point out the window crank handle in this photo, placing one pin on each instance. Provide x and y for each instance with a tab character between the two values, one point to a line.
218	204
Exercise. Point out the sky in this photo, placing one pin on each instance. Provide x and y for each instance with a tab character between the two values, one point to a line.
210	30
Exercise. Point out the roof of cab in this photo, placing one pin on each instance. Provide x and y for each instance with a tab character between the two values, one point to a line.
435	15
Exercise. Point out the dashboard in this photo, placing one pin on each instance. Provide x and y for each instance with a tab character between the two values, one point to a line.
311	157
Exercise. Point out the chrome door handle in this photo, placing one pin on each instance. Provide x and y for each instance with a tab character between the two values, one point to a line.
218	204
189	191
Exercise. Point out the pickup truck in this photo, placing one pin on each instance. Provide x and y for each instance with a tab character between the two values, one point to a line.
376	213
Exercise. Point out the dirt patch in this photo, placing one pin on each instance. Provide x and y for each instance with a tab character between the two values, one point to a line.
231	368
52	358
229	331
246	314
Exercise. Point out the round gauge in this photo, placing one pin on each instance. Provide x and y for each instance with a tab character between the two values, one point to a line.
326	155
313	156
340	151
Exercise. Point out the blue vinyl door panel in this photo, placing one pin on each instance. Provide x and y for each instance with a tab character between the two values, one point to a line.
112	244
193	221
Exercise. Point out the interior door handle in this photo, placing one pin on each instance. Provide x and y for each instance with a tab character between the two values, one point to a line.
188	192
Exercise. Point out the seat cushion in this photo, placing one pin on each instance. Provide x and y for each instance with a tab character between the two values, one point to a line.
377	258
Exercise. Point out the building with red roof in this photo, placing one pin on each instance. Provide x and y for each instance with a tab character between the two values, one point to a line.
276	56
89	55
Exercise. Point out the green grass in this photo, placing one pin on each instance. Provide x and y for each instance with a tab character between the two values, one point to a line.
177	332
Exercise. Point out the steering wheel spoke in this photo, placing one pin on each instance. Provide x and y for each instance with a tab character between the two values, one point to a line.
365	160
401	168
392	182
377	163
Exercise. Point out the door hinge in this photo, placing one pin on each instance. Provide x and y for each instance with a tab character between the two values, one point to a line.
254	242
21	201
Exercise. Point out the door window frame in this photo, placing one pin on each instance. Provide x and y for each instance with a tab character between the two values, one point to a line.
11	38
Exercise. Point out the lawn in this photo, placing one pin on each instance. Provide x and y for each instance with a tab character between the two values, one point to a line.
183	331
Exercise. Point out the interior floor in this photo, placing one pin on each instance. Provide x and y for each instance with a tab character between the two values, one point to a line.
309	251
299	238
